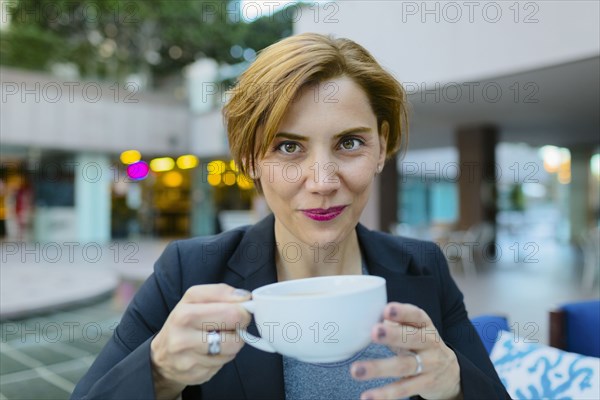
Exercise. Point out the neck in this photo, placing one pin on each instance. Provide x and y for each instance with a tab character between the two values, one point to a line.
296	260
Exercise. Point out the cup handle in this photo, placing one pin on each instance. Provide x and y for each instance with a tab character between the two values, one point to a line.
259	343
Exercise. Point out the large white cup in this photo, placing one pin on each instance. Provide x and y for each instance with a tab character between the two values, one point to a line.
317	320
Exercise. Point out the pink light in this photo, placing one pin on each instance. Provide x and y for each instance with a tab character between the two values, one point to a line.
138	170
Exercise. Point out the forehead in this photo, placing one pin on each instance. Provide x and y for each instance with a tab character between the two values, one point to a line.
332	104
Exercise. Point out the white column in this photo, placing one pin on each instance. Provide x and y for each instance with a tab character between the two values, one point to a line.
92	197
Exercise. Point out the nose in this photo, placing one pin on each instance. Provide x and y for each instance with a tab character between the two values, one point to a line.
322	177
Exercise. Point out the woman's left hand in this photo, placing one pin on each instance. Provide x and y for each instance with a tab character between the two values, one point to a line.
408	331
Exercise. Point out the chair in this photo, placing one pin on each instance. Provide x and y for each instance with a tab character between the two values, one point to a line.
471	244
575	327
488	327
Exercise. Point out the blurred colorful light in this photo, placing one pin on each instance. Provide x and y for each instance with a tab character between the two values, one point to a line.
595	165
138	171
172	179
229	178
564	171
187	161
244	182
130	156
216	167
162	164
552	158
214	180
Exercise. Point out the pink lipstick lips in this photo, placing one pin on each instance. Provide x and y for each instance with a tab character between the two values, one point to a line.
323	214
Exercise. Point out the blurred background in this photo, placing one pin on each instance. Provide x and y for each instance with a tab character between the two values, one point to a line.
112	145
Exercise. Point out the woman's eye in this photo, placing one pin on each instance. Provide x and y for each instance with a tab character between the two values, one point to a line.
288	147
350	144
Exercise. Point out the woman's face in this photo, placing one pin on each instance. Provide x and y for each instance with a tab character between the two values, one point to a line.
317	174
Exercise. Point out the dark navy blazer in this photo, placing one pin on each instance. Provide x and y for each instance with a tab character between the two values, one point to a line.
416	272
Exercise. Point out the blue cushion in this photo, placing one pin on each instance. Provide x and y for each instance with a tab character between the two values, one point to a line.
489	327
530	370
583	327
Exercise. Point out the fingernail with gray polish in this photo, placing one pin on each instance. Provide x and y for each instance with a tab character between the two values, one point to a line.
360	371
393	312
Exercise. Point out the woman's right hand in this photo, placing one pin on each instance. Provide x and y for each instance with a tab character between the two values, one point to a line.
179	352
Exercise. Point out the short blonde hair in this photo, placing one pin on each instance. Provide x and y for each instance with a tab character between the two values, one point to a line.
265	90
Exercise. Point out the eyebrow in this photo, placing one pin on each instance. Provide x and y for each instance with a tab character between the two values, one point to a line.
294	136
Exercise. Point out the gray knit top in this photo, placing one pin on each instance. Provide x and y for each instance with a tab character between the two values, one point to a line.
304	381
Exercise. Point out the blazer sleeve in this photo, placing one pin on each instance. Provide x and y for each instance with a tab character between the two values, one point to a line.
478	376
122	370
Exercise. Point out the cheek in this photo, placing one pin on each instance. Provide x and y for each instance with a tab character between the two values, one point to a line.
360	180
279	183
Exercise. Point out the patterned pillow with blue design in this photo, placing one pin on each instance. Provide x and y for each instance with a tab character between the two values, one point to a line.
535	371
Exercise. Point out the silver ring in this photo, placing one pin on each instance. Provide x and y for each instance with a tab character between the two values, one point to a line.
419	368
214	343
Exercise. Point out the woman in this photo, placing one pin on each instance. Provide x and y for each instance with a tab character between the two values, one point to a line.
312	121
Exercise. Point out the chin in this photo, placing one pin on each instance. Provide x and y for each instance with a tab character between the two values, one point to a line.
325	237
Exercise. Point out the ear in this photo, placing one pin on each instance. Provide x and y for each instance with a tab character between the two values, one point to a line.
383	139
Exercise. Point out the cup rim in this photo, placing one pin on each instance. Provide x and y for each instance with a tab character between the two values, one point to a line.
378	282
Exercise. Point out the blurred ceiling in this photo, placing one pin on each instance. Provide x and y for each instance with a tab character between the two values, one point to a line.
556	105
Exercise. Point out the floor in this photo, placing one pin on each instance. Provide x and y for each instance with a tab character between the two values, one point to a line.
526	289
43	357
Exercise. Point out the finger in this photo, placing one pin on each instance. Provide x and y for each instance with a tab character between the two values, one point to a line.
213	316
399	366
231	343
197	360
220	292
404	337
192	341
196	353
404	388
406	314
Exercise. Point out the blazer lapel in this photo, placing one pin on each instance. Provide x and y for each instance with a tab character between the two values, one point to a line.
252	265
394	261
